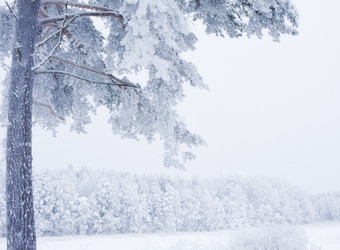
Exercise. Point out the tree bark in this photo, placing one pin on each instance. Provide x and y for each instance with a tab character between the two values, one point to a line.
19	193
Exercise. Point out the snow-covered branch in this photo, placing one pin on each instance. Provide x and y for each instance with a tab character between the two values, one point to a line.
43	13
78	5
44	39
123	84
57	32
49	107
64	25
114	14
115	80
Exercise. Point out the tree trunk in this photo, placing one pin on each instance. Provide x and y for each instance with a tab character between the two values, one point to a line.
20	215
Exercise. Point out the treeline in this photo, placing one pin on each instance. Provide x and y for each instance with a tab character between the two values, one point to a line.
73	202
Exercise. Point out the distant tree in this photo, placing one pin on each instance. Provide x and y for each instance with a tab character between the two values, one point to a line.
124	203
64	67
45	188
154	199
169	202
327	206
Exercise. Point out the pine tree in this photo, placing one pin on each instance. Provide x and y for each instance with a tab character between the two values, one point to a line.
63	67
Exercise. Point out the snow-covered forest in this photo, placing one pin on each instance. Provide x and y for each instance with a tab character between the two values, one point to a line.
64	62
71	202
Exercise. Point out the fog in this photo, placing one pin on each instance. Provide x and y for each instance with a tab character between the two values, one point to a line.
272	110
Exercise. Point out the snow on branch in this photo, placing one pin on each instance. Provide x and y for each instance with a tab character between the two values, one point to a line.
49	107
69	36
60	31
78	5
49	37
43	13
115	80
124	84
114	14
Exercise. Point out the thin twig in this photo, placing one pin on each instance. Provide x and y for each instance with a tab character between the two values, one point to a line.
43	13
48	38
58	43
46	33
50	54
10	9
68	35
85	79
73	17
49	107
46	106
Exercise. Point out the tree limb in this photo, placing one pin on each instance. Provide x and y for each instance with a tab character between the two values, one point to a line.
73	17
58	43
110	76
43	13
125	84
49	107
114	14
78	5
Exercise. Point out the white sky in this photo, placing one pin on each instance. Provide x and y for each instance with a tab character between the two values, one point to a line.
273	109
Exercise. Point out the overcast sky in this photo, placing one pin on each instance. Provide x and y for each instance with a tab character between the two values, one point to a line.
273	109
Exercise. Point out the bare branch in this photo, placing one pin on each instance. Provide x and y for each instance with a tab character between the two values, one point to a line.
110	76
85	79
114	14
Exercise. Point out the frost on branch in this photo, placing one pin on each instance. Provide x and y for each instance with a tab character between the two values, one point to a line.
78	69
151	37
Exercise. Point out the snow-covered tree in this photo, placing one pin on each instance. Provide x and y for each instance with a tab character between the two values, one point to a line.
122	203
327	206
64	67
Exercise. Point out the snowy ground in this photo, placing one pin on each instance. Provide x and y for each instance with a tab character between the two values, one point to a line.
325	236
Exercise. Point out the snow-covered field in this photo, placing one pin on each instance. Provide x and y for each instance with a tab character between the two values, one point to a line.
325	236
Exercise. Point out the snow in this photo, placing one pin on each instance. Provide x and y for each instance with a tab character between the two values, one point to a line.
325	235
320	235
